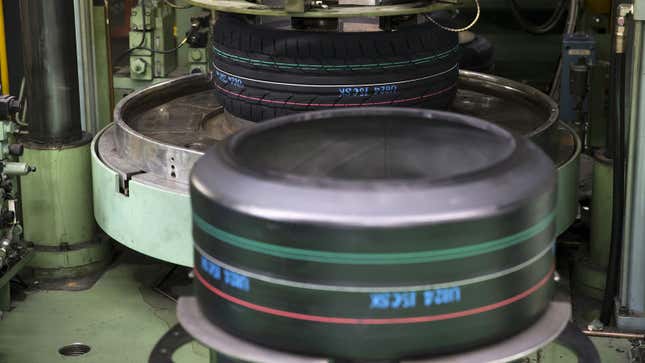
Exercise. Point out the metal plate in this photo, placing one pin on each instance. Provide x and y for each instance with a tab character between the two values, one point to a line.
332	11
165	128
542	332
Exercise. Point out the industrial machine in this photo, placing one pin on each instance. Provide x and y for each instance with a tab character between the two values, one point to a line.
341	181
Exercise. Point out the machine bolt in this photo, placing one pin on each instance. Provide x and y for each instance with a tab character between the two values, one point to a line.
16	149
139	66
196	55
319	4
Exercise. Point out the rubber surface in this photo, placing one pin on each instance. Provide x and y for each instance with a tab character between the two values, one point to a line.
385	225
477	55
417	65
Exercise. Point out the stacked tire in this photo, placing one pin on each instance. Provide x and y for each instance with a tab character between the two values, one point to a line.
265	71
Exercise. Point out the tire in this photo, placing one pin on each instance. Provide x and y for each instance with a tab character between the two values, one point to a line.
477	55
310	230
261	72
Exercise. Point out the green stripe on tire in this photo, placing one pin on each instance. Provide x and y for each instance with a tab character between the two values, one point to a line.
379	65
373	258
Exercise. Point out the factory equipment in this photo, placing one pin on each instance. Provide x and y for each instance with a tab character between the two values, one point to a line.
60	224
366	233
141	164
165	41
293	220
14	252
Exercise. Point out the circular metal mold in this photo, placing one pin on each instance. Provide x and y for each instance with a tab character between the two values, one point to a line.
331	11
165	128
542	332
512	105
170	124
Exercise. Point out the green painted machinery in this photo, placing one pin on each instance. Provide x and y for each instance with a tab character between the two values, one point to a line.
56	204
140	173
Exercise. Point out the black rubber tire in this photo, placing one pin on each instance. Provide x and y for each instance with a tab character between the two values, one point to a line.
477	55
261	72
302	223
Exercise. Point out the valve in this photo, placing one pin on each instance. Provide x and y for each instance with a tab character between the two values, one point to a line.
9	106
17	169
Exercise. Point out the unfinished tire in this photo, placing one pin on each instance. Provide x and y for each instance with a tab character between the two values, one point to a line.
264	71
359	234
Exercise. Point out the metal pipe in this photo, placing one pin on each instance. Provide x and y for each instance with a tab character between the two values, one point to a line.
48	35
631	159
632	294
572	20
613	334
80	14
617	107
4	59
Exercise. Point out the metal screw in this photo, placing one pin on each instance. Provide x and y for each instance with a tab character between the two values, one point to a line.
319	4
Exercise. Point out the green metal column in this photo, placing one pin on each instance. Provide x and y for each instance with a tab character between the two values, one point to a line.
591	267
57	201
57	209
631	312
102	66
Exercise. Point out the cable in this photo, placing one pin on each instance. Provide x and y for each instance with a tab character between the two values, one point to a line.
570	28
174	5
547	26
168	51
143	36
20	116
618	192
472	23
572	19
143	39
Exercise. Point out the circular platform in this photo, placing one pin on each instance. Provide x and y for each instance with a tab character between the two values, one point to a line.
141	163
543	331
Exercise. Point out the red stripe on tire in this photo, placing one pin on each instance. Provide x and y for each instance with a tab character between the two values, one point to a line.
374	321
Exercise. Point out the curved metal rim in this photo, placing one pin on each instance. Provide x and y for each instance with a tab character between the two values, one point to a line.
85	139
576	152
522	89
490	81
514	143
131	143
244	7
541	333
123	105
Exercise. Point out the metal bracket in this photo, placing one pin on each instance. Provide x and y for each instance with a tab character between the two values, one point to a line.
124	181
174	339
545	330
629	320
576	48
